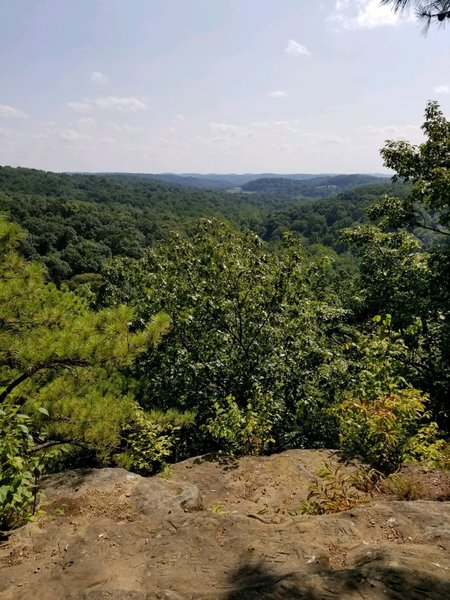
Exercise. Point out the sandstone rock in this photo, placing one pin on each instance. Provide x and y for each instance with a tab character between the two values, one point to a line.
110	534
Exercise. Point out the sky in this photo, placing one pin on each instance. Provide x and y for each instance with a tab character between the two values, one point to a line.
223	86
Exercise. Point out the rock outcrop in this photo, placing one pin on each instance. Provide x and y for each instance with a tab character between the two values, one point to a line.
222	530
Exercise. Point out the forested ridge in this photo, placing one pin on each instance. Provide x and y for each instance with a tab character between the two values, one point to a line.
76	223
234	182
315	187
142	323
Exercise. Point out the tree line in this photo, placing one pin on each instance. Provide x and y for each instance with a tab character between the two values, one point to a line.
77	223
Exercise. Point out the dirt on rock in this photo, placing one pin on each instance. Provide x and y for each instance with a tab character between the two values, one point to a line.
226	530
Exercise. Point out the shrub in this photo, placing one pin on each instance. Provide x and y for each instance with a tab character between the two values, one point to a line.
404	487
150	439
17	481
387	431
383	420
244	431
335	490
21	466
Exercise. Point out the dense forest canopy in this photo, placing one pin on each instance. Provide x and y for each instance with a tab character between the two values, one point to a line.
227	182
249	330
76	223
316	187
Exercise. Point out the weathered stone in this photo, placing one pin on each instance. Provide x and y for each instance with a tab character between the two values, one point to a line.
223	531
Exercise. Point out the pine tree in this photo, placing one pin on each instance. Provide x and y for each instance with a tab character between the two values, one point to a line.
60	369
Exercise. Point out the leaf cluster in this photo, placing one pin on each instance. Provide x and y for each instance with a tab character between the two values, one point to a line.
335	490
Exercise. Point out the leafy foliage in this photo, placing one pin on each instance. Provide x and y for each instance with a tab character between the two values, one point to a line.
314	187
254	347
382	419
148	443
17	467
56	354
76	223
426	166
386	432
242	319
320	221
408	278
244	431
336	490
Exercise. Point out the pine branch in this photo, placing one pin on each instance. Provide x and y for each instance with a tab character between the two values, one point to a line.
438	11
12	386
65	363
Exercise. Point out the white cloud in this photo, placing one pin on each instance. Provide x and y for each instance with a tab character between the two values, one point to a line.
238	131
176	122
171	143
100	78
9	112
278	94
324	137
5	132
295	49
72	135
126	128
363	14
442	89
284	136
87	122
405	131
212	141
129	104
227	127
80	107
255	129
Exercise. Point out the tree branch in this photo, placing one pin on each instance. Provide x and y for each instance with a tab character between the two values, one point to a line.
15	383
66	363
435	229
48	444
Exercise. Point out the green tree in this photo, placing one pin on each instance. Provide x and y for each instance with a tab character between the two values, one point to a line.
52	348
406	277
427	168
246	323
60	371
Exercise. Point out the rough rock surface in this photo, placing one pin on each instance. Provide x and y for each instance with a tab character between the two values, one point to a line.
226	531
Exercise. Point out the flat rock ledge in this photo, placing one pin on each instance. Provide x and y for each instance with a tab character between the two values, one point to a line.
223	530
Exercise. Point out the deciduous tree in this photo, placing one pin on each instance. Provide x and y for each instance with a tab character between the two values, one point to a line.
403	276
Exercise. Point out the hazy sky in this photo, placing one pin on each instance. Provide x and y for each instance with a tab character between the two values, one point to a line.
212	85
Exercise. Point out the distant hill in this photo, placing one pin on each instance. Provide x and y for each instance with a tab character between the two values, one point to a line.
214	181
315	187
194	181
230	181
320	220
76	223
